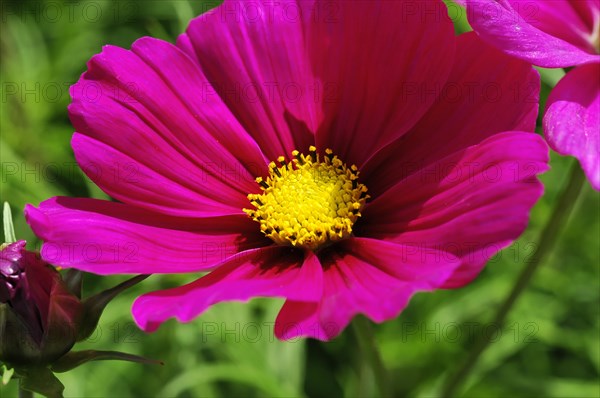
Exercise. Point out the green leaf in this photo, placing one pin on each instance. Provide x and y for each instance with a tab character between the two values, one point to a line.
245	374
20	188
42	381
76	358
550	76
6	374
9	229
95	305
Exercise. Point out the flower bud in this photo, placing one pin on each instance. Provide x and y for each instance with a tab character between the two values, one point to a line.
39	317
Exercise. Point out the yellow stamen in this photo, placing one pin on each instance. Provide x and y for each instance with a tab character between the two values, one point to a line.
310	201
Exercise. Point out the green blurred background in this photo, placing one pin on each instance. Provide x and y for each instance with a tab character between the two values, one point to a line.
550	347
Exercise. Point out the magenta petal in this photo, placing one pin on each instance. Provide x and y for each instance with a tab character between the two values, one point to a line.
471	204
155	184
382	63
254	55
499	23
568	20
367	276
274	271
572	120
301	319
112	238
149	135
483	82
588	11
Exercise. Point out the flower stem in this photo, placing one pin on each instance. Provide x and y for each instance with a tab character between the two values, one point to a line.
564	206
370	353
24	393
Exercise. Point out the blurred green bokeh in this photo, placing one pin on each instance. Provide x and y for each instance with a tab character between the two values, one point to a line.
551	346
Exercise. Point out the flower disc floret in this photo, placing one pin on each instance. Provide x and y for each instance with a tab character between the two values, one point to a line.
309	201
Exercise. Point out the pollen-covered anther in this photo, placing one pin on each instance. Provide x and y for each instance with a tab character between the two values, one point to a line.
309	201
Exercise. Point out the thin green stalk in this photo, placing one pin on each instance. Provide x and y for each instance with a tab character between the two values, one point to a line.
9	229
24	393
564	206
370	353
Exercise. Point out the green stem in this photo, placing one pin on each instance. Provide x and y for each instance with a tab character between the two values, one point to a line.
9	229
564	206
370	353
24	393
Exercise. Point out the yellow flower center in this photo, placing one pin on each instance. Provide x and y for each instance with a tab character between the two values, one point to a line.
308	202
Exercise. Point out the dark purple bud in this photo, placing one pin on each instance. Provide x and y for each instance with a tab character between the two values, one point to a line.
11	273
16	292
39	317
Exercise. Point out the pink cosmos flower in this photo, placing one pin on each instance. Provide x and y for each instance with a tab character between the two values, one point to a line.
555	34
340	155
